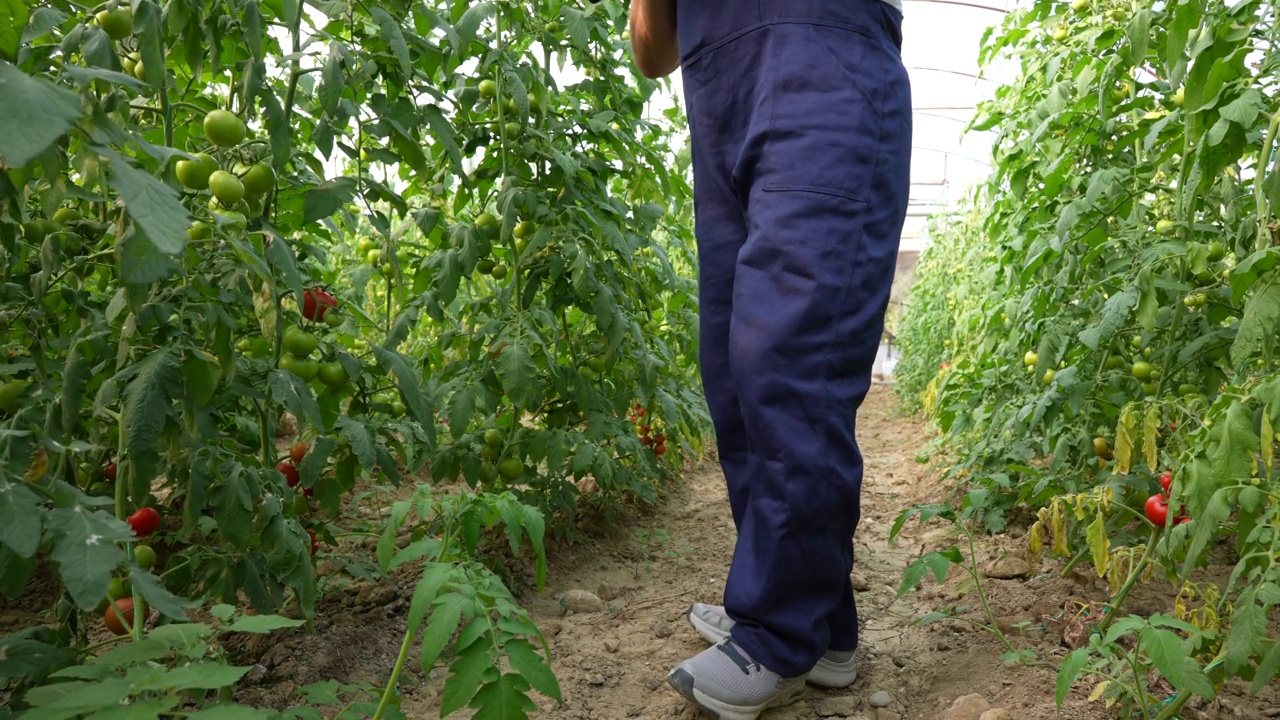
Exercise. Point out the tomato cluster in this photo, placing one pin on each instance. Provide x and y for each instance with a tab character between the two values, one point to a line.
1157	507
649	438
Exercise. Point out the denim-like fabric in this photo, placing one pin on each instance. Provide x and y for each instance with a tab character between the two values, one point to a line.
800	116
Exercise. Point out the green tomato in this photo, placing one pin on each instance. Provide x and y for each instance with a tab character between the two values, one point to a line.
11	395
223	128
333	374
194	174
144	556
306	369
299	342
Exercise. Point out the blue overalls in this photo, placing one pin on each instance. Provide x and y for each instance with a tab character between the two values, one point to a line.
800	118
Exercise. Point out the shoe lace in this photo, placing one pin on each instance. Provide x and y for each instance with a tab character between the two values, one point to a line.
736	655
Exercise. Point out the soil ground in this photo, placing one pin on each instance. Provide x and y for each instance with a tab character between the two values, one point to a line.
612	664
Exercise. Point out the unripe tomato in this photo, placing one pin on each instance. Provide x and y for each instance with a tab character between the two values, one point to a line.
1030	358
493	437
226	187
223	128
488	89
333	374
511	469
298	452
299	342
194	174
259	179
145	556
486	222
117	24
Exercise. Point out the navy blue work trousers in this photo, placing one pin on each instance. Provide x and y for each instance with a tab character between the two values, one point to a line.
800	120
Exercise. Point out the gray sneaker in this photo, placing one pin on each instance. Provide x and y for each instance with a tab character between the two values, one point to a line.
835	669
726	682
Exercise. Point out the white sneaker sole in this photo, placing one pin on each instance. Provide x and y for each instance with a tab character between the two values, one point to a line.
684	684
827	673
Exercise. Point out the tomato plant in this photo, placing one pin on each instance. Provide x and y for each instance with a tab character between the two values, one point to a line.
179	183
1125	246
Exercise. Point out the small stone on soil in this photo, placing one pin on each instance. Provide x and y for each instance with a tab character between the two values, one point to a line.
835	707
967	707
608	591
996	714
611	646
880	699
1007	568
860	582
887	714
583	601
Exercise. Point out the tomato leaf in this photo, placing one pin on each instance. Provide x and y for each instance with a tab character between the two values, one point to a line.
444	134
518	374
71	699
532	667
85	550
37	113
20	519
24	657
464	678
1099	543
1261	322
1248	627
1165	650
15	571
1115	311
13	18
296	396
361	441
1267	668
1071	667
149	587
153	205
327	198
504	699
444	621
389	31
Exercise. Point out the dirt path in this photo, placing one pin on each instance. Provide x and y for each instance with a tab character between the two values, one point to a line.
612	664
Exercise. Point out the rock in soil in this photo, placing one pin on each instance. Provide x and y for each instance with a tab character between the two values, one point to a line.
1007	568
835	707
967	707
880	699
583	601
996	714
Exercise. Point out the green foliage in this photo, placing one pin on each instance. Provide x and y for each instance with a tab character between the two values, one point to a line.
1125	245
155	341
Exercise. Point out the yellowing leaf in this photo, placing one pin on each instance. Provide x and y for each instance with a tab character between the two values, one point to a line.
1098	690
1268	440
1059	527
1035	543
39	465
1099	543
1124	440
1150	427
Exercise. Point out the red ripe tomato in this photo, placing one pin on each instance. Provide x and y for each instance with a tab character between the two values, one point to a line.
315	545
660	450
315	302
109	472
646	440
1166	481
1157	510
144	521
1183	519
112	620
290	473
298	452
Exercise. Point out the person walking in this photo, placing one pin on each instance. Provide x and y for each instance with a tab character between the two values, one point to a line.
800	124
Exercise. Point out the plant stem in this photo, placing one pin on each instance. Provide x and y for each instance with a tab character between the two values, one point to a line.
1130	581
1260	198
395	676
